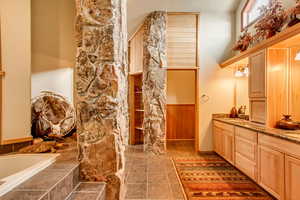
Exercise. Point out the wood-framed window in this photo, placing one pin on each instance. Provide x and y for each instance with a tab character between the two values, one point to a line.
251	13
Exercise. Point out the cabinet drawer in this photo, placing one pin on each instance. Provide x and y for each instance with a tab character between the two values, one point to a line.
246	134
279	145
224	126
246	166
246	148
258	110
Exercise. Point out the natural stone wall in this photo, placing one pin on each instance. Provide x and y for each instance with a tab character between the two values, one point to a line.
101	92
154	82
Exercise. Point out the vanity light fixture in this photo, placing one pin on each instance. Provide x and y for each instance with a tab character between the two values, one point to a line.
297	56
242	72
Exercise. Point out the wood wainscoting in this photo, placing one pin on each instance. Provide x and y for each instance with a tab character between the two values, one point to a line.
181	121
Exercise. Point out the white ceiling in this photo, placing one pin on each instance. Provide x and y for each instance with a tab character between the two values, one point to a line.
138	9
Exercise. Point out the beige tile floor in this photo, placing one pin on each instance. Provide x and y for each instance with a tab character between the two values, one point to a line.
154	177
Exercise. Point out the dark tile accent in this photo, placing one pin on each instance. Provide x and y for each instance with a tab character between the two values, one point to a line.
24	195
90	187
63	188
83	196
9	148
4	149
136	191
18	146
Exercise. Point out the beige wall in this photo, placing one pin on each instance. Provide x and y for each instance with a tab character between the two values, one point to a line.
242	97
53	46
181	87
15	45
216	37
286	4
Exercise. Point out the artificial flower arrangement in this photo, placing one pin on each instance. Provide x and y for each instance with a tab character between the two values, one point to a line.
274	19
244	42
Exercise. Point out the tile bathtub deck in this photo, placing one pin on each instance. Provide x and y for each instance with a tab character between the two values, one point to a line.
151	177
53	183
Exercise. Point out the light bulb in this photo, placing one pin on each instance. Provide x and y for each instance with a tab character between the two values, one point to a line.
297	56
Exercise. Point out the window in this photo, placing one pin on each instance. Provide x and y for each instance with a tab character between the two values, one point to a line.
251	12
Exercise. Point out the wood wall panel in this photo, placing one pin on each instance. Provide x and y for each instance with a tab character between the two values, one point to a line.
136	52
295	85
182	40
277	87
181	121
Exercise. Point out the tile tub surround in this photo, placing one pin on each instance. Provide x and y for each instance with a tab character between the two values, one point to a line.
17	168
292	136
150	177
55	182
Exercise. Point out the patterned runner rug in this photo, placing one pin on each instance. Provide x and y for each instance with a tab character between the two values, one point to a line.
209	177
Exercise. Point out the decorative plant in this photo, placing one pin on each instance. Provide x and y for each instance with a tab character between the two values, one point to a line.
244	42
292	13
274	17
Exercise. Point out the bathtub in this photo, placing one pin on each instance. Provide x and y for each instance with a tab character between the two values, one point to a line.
15	169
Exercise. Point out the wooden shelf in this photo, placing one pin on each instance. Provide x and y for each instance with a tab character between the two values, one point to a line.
284	35
139	110
139	92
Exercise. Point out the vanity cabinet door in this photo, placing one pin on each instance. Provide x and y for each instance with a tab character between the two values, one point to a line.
218	141
224	140
292	178
257	76
258	110
228	146
271	171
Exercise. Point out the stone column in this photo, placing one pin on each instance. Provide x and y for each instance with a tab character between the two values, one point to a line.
101	92
154	82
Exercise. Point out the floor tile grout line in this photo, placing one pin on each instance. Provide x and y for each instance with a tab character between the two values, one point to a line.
169	182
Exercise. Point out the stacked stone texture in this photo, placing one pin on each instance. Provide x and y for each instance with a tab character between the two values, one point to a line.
101	92
154	82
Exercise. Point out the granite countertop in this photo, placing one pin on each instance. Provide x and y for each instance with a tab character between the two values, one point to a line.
292	136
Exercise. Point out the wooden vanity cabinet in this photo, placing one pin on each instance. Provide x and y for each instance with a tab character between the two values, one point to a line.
224	140
292	178
246	151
